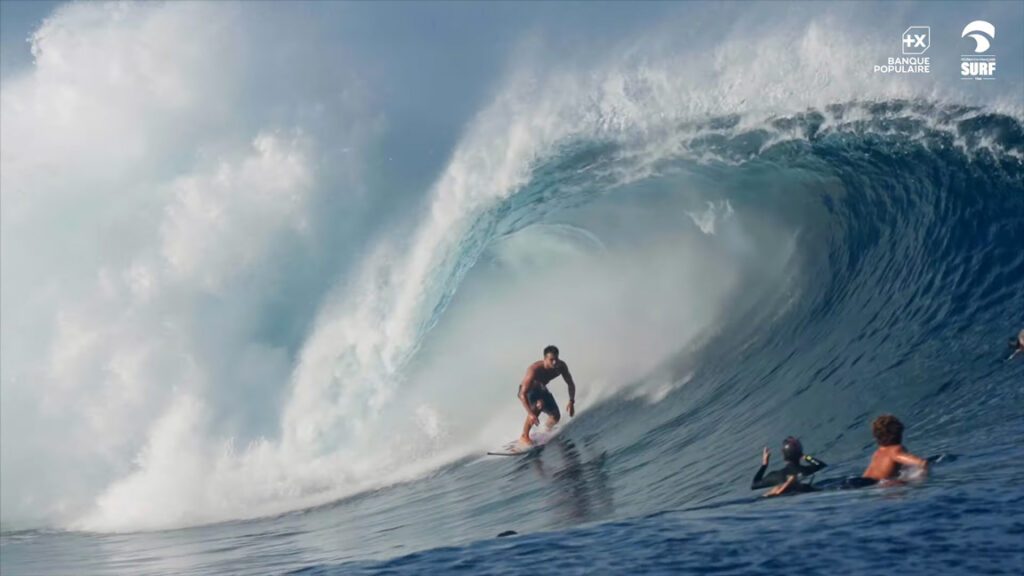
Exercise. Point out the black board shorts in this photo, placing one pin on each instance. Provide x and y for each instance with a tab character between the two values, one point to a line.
541	393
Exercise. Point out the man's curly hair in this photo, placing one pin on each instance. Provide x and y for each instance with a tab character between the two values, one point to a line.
888	430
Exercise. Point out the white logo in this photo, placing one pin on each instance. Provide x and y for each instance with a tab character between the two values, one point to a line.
981	65
981	32
917	39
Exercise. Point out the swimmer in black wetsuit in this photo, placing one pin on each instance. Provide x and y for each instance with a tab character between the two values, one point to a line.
787	479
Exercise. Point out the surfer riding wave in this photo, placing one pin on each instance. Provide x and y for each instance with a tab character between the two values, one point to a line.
534	394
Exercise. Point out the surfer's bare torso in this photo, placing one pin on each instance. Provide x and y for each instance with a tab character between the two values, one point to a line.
539	375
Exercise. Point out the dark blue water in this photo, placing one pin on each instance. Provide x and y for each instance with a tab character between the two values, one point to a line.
906	282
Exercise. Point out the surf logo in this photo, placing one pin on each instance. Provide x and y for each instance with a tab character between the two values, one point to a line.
917	39
982	32
980	65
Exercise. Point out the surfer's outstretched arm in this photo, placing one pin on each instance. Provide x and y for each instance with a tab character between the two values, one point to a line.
759	480
524	389
813	464
531	412
908	459
781	489
571	407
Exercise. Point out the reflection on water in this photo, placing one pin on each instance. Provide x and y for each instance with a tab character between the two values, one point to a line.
579	483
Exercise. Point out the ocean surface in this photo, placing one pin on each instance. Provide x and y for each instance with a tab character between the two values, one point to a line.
273	272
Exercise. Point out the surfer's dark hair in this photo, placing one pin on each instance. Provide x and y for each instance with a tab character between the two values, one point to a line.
551	350
888	430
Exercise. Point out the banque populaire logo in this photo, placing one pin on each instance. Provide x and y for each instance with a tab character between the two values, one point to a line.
914	42
917	39
980	63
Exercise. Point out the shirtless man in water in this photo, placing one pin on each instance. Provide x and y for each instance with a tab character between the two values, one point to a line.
534	395
890	456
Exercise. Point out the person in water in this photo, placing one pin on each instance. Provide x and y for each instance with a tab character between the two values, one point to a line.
787	479
534	394
1016	345
890	457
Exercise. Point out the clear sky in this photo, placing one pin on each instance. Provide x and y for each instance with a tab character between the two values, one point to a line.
18	20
